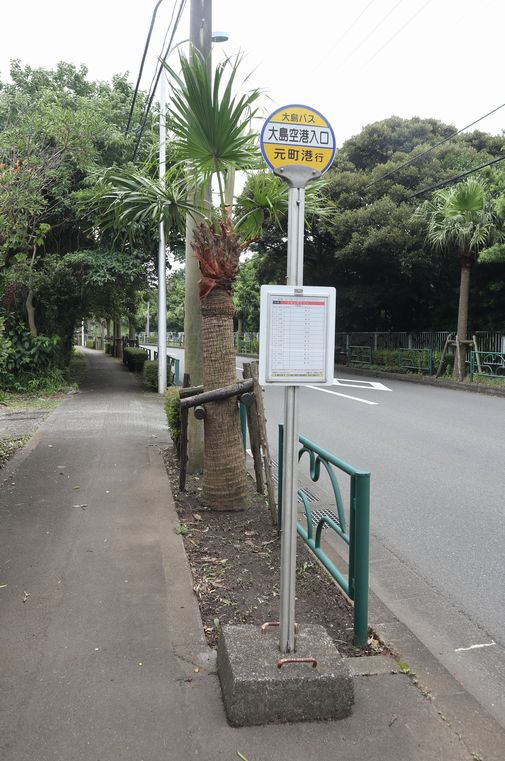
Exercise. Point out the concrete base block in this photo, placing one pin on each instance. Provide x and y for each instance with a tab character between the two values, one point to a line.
256	691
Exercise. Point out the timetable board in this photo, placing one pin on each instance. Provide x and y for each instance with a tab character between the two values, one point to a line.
297	335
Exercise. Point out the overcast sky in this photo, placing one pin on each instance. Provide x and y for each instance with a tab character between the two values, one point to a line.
356	62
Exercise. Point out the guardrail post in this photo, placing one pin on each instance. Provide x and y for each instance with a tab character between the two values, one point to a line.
359	551
243	424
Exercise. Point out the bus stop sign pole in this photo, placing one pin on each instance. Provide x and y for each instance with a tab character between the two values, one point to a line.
297	177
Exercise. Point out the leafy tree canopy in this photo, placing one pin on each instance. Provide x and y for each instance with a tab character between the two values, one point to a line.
366	244
57	131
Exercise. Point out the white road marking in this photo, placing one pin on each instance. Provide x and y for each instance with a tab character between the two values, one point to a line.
350	383
346	396
475	647
353	383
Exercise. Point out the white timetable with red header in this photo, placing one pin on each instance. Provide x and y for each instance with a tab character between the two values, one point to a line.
297	335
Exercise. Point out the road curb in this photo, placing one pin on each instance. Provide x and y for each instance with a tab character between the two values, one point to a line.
479	731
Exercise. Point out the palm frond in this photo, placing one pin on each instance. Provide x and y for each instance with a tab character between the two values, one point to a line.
459	217
212	125
130	200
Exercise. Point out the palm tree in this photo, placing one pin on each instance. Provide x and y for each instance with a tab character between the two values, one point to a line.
211	138
460	219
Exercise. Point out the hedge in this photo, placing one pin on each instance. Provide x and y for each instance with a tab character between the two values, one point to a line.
134	358
173	412
90	344
151	374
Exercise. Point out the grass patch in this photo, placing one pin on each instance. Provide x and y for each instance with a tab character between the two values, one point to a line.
8	447
78	367
492	381
12	402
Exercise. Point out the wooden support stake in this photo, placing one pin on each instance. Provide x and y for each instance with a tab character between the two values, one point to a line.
218	394
247	399
199	412
190	391
447	341
477	355
183	446
254	433
267	466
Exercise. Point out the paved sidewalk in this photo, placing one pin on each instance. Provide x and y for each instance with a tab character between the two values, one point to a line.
102	654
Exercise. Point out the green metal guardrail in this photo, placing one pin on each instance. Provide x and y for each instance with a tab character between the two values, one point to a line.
492	364
416	359
359	355
173	365
357	537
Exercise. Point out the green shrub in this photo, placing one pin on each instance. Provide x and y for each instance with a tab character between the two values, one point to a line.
77	366
151	374
385	358
90	344
173	412
29	363
134	358
108	348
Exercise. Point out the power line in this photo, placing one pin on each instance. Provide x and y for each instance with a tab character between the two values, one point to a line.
399	31
432	148
456	177
152	86
365	39
159	70
344	34
146	47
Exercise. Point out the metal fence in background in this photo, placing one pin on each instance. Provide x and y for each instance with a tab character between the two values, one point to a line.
435	340
487	340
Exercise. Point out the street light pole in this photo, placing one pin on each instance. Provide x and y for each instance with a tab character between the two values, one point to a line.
162	276
200	36
201	39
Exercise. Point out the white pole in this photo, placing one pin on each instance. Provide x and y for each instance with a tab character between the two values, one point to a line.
162	285
82	333
296	211
147	323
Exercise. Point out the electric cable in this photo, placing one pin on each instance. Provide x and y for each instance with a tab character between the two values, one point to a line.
365	39
152	86
157	79
456	177
343	35
141	69
432	148
399	31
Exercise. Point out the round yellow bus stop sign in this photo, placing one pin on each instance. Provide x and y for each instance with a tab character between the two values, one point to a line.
298	135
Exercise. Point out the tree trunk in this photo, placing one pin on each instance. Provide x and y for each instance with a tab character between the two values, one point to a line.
30	311
459	371
224	476
193	346
118	349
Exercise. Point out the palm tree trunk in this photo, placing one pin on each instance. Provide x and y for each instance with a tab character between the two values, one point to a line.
193	346
224	476
464	295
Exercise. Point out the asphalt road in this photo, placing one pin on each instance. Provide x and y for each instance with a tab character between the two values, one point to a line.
437	461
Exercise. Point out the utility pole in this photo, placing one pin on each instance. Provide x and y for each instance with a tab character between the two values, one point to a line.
162	276
200	33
